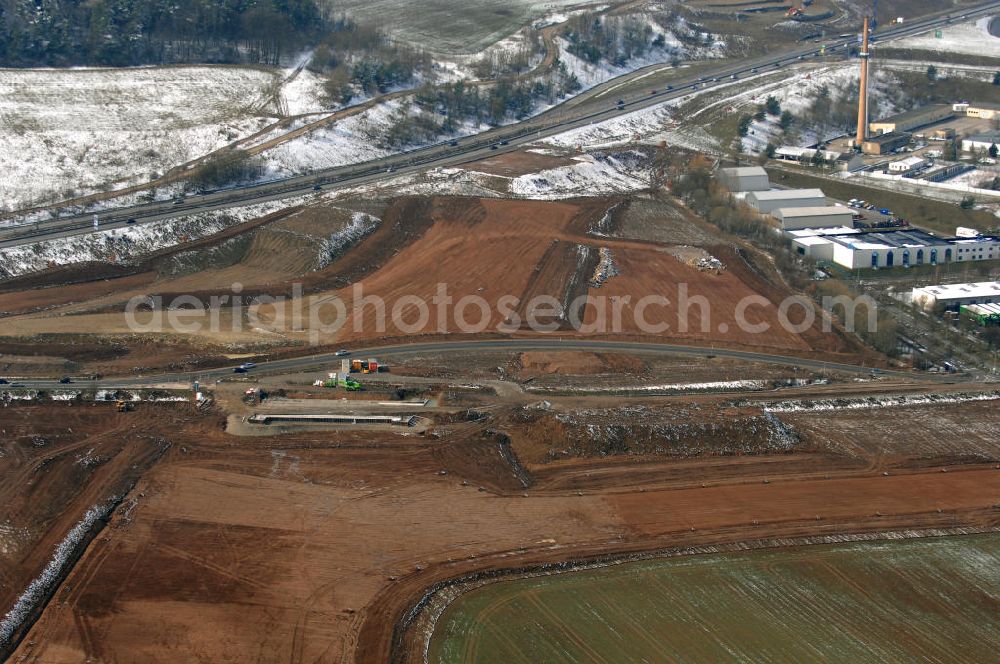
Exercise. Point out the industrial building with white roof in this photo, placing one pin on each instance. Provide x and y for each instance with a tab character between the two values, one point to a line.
896	248
953	295
767	202
797	218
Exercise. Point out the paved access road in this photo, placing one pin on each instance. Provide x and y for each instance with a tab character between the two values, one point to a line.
330	362
594	105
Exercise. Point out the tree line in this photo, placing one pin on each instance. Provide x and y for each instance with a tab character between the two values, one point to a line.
56	33
613	40
444	109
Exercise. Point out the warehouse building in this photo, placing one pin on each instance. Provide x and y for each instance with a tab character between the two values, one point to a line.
955	295
910	120
885	143
797	218
889	249
981	142
746	178
767	202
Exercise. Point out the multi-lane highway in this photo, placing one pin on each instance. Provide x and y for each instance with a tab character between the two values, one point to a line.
594	105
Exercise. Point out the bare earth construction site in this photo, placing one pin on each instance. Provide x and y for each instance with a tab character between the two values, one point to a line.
567	399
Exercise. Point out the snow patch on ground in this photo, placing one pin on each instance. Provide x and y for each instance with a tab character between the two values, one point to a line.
304	94
360	226
650	124
876	402
38	588
967	38
592	175
349	141
717	386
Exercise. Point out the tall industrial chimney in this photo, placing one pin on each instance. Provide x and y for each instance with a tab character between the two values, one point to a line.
863	97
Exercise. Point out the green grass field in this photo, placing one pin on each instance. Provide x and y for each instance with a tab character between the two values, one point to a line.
932	600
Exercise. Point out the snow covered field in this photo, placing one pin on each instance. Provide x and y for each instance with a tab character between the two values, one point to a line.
348	141
966	38
73	132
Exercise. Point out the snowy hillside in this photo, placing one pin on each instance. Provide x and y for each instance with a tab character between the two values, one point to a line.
72	132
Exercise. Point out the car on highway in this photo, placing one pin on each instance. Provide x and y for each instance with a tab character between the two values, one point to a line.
65	380
494	147
504	142
670	87
317	187
3	381
130	220
453	144
753	71
239	370
342	353
247	365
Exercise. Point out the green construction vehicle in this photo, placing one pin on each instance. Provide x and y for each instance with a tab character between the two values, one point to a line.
346	383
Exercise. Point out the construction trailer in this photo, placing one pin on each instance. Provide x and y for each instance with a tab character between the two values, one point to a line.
368	366
745	178
766	202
